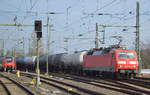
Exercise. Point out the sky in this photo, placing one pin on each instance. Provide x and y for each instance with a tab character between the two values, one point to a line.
73	19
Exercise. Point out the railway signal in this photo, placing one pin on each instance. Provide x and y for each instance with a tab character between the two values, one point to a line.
38	31
38	28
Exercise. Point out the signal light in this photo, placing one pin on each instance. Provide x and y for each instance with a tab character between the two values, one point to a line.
38	25
38	28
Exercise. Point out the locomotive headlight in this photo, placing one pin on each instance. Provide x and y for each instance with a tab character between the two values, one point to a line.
132	62
121	62
120	66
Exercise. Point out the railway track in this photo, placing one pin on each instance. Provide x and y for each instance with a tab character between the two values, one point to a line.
113	85
72	84
43	89
68	88
3	89
120	86
10	86
139	82
141	78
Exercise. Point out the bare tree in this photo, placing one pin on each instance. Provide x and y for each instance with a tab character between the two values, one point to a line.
145	55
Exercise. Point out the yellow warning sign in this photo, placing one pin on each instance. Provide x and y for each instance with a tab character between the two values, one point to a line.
33	81
18	73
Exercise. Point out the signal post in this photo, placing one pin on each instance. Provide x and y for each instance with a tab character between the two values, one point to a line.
38	31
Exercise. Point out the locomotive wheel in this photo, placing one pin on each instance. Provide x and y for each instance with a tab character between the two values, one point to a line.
132	76
85	73
127	76
5	69
117	76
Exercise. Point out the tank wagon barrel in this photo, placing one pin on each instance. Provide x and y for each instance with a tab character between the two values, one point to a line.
26	63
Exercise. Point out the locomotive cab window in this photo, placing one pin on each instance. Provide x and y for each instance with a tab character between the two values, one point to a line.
97	52
9	59
124	55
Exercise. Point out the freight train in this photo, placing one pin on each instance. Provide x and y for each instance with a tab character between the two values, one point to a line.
7	63
113	61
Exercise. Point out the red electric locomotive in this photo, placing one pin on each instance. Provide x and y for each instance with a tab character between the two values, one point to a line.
8	63
116	62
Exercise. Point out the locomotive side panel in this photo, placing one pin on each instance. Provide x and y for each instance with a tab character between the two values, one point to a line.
99	63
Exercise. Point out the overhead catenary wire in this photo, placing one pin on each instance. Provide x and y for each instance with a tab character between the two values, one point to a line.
106	13
127	18
88	15
33	5
108	4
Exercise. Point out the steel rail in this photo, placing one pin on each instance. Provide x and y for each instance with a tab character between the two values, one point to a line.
66	84
19	85
124	88
5	87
